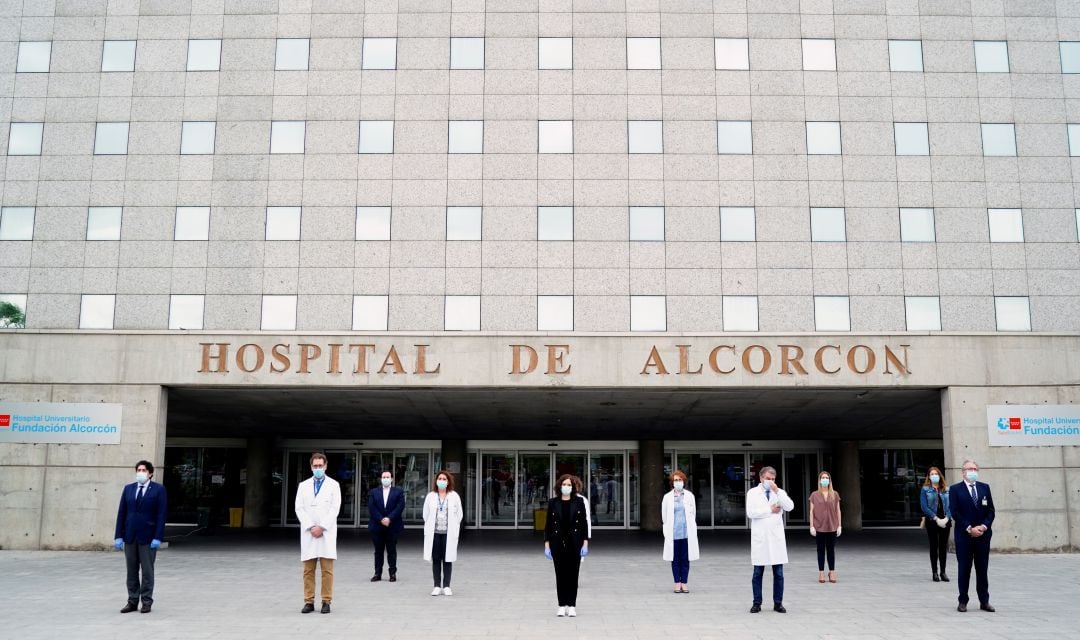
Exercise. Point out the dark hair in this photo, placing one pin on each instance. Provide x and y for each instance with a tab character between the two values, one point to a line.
145	463
563	478
579	486
318	456
449	480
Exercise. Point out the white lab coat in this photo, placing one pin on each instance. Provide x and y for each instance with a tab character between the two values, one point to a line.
588	515
322	511
767	543
667	513
454	516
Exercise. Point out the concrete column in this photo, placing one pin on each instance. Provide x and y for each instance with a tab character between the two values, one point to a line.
845	475
455	456
260	452
653	486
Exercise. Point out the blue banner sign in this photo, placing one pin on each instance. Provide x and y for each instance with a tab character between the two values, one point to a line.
60	422
1033	425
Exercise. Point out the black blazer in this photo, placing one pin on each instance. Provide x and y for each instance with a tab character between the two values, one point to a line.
970	513
144	520
394	507
569	535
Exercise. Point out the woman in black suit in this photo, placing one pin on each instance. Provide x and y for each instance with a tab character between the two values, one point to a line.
566	541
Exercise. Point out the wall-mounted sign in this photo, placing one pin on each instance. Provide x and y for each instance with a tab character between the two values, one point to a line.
1033	425
60	422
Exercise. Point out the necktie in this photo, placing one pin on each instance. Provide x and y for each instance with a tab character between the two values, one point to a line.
139	494
768	496
318	485
974	496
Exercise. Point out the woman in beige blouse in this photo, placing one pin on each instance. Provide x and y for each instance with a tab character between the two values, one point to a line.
825	524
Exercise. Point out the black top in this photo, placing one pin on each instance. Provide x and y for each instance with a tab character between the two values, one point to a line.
565	506
567	524
940	506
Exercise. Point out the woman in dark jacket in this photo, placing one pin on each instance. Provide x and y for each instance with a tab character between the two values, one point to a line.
566	541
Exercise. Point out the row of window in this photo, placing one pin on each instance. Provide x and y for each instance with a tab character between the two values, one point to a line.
553	313
737	224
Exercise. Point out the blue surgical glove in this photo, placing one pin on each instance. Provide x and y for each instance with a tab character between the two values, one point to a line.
155	543
584	551
118	543
547	553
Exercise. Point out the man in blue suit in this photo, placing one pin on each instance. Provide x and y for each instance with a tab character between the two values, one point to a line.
140	528
386	504
972	509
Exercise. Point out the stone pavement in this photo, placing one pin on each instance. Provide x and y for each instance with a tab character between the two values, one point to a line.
248	586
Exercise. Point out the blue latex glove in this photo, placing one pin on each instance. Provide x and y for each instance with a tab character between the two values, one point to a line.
118	543
584	551
155	543
547	553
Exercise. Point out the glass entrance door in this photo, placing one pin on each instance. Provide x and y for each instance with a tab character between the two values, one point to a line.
534	485
731	488
606	489
497	489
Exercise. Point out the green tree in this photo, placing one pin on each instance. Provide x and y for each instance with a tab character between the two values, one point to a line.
11	315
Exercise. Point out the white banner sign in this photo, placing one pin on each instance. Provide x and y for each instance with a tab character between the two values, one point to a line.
1033	425
60	422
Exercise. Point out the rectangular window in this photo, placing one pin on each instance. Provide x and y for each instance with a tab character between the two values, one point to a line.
1006	225
646	223
648	313
283	223
917	225
831	313
823	138
376	136
1070	57
827	224
370	313
103	223
17	223
911	138
462	313
923	313
466	53
17	300
737	224
1074	139
818	55
740	313
192	223
1012	313
554	223
96	311
991	56
292	54
380	53
645	136
197	138
111	139
555	136
287	136
34	57
905	55
278	313
466	136
554	313
643	53
555	53
734	137
999	140
186	312
373	223
732	53
204	55
463	223
118	55
24	138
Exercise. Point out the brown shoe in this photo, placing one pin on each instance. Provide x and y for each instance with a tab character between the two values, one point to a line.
832	576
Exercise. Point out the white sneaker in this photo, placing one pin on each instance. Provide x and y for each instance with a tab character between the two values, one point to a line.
436	591
561	612
571	611
447	592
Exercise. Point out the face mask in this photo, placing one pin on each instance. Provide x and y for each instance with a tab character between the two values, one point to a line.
678	485
441	484
935	478
386	481
824	482
318	473
972	476
766	484
141	477
566	490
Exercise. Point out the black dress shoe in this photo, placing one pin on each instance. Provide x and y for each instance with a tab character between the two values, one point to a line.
755	609
936	578
944	578
779	608
962	608
376	578
308	607
129	607
393	578
145	608
325	608
986	606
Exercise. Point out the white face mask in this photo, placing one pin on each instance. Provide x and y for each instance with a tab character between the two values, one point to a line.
141	477
678	485
386	482
566	490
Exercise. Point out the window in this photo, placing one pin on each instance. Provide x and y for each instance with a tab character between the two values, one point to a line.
18	300
917	225
646	223
556	53
103	223
292	54
34	57
1070	57
380	53
831	313
818	55
111	139
283	223
827	224
192	223
370	313
555	136
204	55
466	136
991	56
554	313
373	223
905	55
998	140
96	311
466	53
740	313
376	136
287	136
1012	313
118	55
278	313
732	53
463	223
645	136
737	224
17	223
554	223
734	137
197	138
185	312
1074	139
24	138
648	313
643	53
911	138
462	313
1006	225
823	138
923	313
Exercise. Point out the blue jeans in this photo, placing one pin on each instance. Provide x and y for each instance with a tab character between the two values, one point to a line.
777	583
680	564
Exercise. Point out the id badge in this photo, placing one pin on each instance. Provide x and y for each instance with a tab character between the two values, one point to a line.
984	502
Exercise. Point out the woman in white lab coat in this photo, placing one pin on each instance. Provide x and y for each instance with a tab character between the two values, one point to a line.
765	506
442	524
679	513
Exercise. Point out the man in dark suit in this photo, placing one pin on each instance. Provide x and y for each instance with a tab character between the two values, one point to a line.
972	509
140	528
386	504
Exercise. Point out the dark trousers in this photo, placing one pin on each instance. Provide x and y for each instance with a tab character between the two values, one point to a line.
939	544
385	541
680	564
140	556
826	547
777	583
567	566
973	551
440	568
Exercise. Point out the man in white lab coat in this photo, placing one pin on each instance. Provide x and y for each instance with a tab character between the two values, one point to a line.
765	505
318	501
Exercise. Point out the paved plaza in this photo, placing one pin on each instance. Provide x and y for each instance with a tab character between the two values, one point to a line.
248	586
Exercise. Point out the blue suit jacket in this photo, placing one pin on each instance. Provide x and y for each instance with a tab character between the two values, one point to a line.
968	513
144	521
393	509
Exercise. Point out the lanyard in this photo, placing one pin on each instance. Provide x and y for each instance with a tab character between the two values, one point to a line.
442	503
318	485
